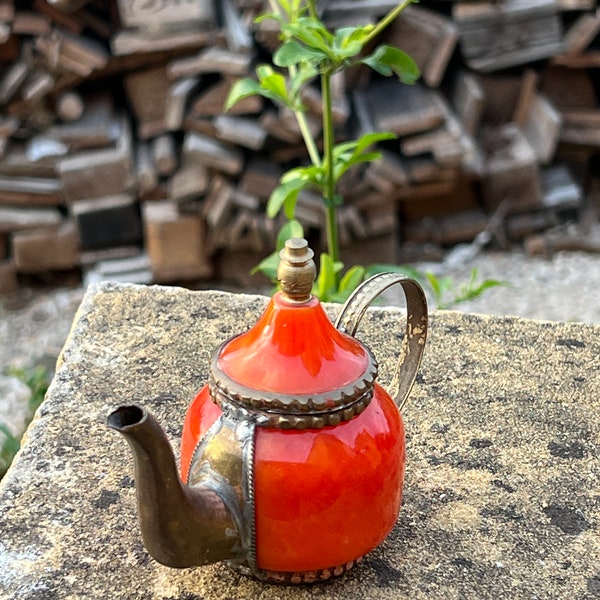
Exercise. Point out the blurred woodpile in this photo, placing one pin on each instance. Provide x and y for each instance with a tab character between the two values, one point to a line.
117	159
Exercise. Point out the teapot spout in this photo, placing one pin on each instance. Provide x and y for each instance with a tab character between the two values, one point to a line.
181	526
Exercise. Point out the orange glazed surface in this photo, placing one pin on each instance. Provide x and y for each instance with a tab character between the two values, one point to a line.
326	497
293	349
323	497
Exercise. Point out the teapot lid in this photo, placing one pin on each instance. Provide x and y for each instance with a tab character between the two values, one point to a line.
293	368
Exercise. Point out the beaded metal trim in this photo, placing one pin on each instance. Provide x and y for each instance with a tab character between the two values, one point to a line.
299	411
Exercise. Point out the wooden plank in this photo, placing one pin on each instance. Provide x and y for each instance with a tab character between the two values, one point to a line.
68	5
148	92
30	23
7	11
94	173
18	162
428	37
511	171
241	131
190	181
175	243
19	218
269	120
98	125
211	101
568	88
565	5
499	35
8	277
78	53
588	60
213	154
177	102
218	203
260	177
501	97
211	60
37	85
392	106
447	230
107	221
71	22
13	78
237	33
468	100
526	98
581	33
164	154
48	249
146	174
30	191
166	14
542	128
69	106
135	41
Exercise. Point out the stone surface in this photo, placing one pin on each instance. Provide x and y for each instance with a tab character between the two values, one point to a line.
501	495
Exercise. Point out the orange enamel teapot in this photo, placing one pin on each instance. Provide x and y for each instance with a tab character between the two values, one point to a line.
292	456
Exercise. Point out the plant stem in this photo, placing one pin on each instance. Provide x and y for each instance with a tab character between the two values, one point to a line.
387	20
309	141
329	191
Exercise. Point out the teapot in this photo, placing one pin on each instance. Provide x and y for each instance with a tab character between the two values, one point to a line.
292	455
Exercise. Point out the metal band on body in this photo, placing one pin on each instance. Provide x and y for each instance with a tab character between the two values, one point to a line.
413	343
223	461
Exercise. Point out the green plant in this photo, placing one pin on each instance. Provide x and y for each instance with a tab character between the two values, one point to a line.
37	379
8	449
309	50
442	287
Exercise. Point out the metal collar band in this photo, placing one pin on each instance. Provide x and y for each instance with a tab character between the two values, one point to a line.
298	411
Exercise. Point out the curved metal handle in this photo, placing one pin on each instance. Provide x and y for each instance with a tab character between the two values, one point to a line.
413	343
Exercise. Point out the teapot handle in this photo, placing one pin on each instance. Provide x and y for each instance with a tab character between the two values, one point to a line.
413	342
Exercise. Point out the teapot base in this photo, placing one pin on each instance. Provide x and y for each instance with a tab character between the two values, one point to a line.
293	578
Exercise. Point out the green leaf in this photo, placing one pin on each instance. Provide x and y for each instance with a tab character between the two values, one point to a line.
387	60
312	33
439	286
272	84
285	194
268	266
293	52
311	173
292	229
326	284
267	16
304	73
349	282
349	41
242	89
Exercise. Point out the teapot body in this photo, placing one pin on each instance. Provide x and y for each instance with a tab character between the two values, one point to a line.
322	498
292	456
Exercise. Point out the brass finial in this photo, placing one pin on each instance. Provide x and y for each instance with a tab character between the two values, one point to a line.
297	271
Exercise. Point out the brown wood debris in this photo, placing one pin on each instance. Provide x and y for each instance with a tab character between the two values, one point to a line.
113	131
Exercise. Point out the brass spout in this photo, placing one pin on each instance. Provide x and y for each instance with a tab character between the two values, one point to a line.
181	526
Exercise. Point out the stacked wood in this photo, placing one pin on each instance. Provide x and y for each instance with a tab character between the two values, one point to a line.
117	157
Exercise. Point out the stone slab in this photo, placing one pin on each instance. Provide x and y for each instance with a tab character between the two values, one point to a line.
502	492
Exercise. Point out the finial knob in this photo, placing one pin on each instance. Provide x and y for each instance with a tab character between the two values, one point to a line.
297	271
